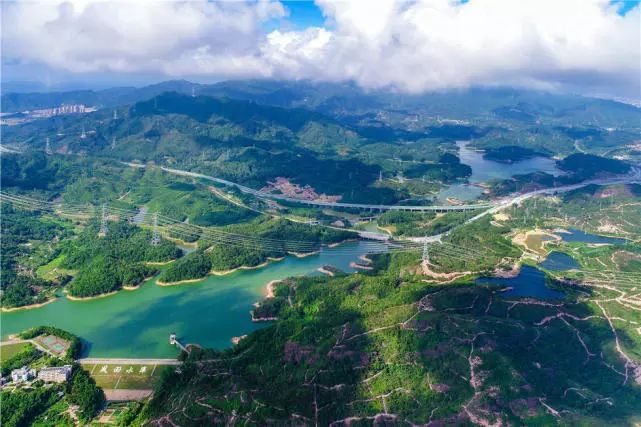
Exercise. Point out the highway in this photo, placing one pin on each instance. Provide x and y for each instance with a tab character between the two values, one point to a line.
264	195
633	177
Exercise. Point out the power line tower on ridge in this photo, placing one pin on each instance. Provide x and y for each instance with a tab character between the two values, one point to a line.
155	238
48	147
103	222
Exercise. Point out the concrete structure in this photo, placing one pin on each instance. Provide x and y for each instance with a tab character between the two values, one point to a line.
174	341
320	203
58	374
60	110
23	374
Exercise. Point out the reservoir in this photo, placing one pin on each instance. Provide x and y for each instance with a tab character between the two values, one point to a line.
137	323
484	170
530	282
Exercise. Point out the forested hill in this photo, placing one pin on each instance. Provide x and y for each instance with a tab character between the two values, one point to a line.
13	102
255	118
346	99
239	112
252	144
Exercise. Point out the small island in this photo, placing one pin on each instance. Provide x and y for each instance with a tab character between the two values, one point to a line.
510	154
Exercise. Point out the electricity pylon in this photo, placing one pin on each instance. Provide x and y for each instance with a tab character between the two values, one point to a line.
103	222
155	238
426	253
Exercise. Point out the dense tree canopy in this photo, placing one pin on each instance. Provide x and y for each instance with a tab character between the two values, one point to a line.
107	263
192	266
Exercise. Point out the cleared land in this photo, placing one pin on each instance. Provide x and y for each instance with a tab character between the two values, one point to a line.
9	350
125	376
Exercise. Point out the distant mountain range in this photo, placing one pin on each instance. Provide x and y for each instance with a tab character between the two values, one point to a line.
523	106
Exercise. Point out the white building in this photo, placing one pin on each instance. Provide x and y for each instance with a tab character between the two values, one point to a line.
22	374
58	374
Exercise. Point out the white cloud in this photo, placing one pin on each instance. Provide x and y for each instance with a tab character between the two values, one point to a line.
582	45
136	35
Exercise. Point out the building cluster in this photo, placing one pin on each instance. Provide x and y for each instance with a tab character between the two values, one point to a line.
57	374
287	188
16	118
59	110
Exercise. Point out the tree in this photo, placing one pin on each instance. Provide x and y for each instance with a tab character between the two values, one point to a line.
85	393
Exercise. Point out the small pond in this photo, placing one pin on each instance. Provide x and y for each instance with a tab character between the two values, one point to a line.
559	261
581	236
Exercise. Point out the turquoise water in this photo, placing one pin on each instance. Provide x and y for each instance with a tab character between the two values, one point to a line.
137	323
529	283
581	236
559	261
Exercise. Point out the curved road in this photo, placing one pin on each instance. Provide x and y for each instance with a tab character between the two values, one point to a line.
633	177
263	195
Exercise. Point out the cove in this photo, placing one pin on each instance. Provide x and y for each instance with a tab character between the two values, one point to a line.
559	261
530	282
137	323
484	170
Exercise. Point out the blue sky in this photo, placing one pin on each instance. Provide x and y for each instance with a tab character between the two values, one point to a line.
304	13
583	46
626	5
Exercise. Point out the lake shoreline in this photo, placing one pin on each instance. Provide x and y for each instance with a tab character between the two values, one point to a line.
159	262
303	254
325	271
198	311
28	307
333	245
221	272
270	286
179	282
134	287
105	295
242	267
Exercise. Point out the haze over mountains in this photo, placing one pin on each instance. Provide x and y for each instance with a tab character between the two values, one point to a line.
328	98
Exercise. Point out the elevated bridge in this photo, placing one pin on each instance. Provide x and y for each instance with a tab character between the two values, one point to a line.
371	207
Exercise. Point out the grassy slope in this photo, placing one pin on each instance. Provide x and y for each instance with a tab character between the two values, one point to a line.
360	346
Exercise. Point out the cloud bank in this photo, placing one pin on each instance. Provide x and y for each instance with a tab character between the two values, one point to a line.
578	45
